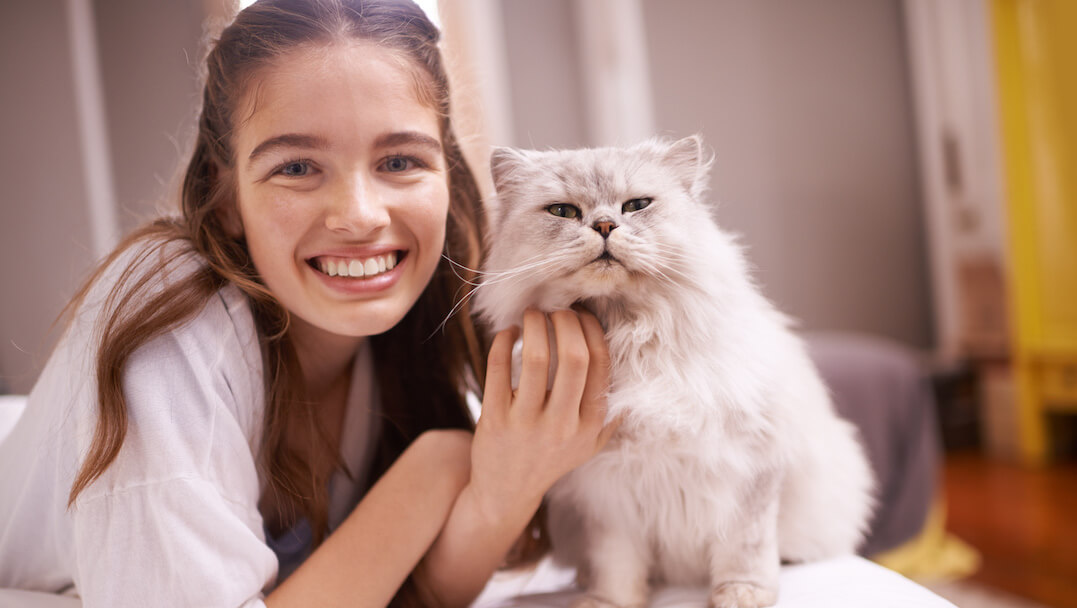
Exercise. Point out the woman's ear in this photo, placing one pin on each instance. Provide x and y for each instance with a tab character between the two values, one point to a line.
228	210
231	221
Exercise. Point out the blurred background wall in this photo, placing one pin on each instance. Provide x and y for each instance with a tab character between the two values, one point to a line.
807	105
808	108
43	212
149	56
98	97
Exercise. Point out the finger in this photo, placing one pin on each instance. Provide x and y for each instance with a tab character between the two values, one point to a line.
535	366
572	363
593	402
497	393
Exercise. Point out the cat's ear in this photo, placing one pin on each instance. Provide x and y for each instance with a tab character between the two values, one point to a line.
505	164
691	164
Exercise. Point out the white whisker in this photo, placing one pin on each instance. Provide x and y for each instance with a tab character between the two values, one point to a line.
542	265
524	266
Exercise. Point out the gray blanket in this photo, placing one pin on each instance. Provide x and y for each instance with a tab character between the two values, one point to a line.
885	390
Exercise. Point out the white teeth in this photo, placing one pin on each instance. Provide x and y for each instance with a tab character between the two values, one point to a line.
369	267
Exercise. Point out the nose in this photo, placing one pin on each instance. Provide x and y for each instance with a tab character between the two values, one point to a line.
358	206
604	227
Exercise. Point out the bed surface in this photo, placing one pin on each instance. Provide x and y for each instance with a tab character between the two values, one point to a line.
846	582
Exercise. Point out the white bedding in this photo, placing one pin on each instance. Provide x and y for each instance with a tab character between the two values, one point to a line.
11	407
847	582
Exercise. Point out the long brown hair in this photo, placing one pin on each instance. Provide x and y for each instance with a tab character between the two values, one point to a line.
423	367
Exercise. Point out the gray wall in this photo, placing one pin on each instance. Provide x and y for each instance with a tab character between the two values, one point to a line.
149	52
46	245
544	74
807	105
45	240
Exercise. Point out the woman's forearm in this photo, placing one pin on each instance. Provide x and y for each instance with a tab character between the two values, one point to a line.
365	560
471	546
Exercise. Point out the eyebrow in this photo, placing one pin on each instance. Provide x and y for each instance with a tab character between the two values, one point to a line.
296	140
400	138
288	140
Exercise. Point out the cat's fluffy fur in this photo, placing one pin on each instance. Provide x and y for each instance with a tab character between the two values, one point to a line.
730	457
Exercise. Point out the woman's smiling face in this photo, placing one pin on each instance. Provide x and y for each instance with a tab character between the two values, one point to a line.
342	187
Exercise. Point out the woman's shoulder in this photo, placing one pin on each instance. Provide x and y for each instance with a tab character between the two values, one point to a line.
145	268
159	280
195	399
210	359
193	390
217	343
147	264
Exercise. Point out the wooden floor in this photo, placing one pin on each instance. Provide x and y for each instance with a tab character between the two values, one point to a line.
1023	522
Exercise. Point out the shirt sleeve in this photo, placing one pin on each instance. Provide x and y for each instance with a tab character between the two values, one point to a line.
173	543
174	520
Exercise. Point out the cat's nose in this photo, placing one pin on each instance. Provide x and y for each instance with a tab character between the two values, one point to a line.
604	227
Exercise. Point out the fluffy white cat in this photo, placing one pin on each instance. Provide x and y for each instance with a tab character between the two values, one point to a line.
730	457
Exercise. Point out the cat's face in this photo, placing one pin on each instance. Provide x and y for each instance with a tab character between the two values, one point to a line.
598	222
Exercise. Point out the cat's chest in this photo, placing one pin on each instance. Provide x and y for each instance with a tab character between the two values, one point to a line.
678	432
675	482
676	397
642	355
681	381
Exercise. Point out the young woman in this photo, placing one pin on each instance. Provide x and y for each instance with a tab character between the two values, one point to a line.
254	402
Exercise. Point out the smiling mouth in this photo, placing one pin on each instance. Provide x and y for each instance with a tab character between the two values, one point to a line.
357	268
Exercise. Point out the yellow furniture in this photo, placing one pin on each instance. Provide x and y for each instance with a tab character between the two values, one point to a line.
1036	59
934	555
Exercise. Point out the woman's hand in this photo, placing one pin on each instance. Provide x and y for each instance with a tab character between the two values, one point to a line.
524	442
527	439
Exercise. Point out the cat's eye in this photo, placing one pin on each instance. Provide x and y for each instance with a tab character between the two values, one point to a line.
564	210
635	204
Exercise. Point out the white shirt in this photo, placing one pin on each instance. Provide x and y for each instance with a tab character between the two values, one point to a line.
174	520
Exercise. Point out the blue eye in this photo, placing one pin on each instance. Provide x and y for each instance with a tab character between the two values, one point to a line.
299	168
397	164
635	205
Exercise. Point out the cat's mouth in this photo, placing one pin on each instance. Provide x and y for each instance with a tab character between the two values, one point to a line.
606	258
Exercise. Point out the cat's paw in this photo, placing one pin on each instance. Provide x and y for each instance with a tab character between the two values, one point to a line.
590	601
741	595
593	601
